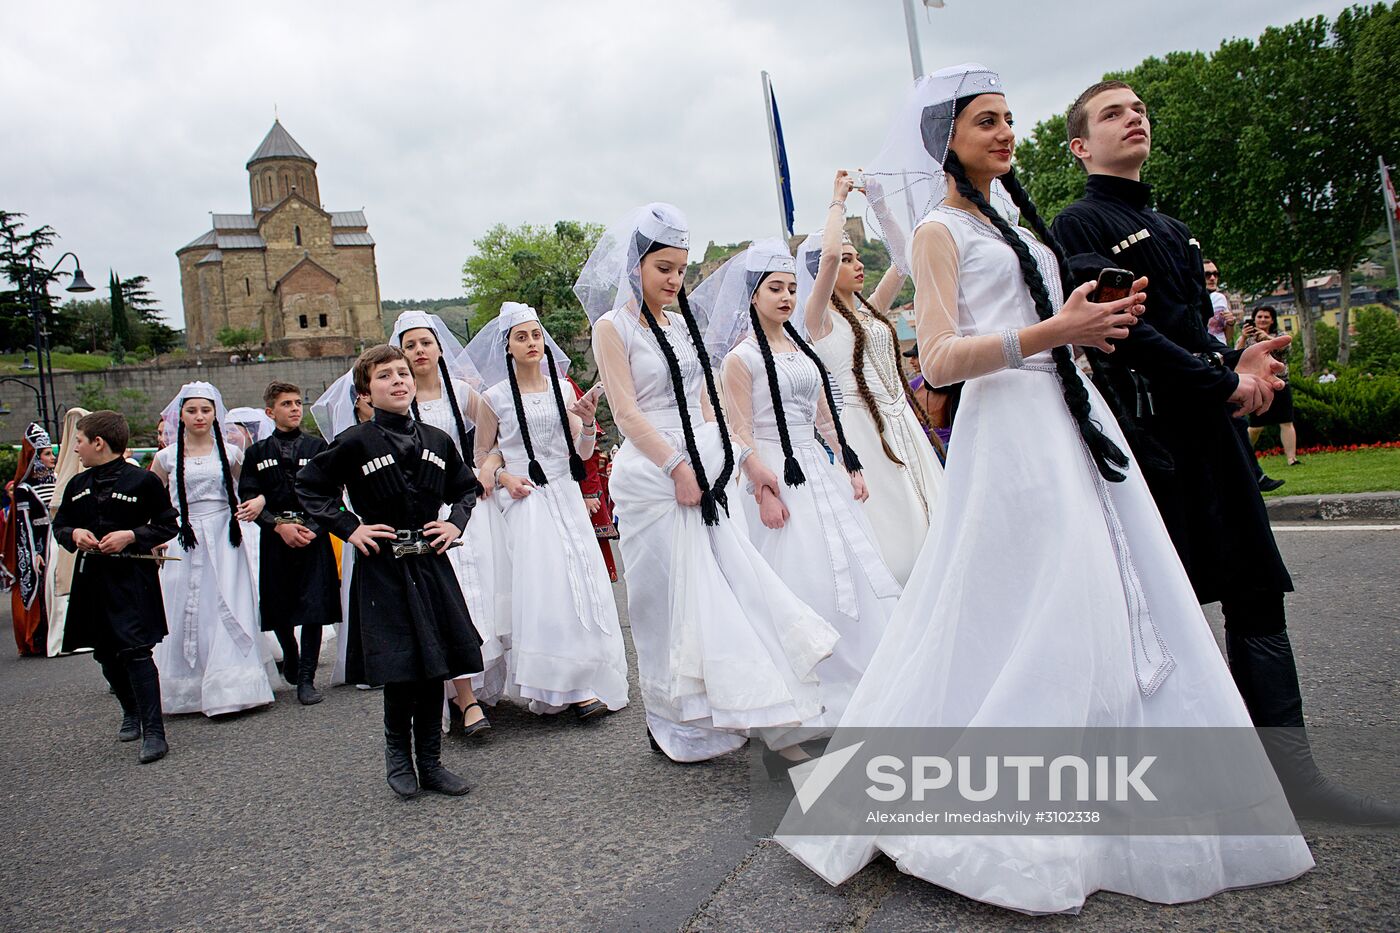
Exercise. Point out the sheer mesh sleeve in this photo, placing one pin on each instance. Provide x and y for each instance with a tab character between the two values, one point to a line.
888	290
583	446
616	373
488	427
945	356
825	280
826	426
736	381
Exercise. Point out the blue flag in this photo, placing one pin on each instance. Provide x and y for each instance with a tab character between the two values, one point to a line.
784	176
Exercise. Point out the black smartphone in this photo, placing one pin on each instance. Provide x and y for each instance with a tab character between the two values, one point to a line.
1113	285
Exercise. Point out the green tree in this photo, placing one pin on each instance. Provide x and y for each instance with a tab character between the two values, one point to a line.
86	324
535	265
1043	162
150	327
21	264
121	327
239	339
1377	347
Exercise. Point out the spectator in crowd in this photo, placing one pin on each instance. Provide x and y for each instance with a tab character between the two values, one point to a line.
1262	326
1222	321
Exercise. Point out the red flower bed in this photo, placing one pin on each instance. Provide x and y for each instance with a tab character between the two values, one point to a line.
1327	449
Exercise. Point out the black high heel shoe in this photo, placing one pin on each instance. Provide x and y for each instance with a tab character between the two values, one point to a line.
655	746
778	766
591	709
457	722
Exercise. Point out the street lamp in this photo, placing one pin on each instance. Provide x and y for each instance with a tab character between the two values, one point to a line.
39	288
5	409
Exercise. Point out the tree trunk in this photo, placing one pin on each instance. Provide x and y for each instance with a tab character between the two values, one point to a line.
1344	314
1305	319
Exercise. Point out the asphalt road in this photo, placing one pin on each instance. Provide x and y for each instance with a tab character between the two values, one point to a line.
281	819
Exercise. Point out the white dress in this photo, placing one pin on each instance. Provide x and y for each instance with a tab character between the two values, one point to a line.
214	658
482	563
723	646
566	643
902	497
826	551
1098	591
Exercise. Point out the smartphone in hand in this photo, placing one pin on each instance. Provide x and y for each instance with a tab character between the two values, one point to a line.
1114	284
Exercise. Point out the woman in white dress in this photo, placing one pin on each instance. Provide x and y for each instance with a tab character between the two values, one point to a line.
446	399
1101	627
859	345
723	646
809	524
566	643
213	660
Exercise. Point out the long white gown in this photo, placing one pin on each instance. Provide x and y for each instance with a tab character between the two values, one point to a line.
902	497
1097	589
826	551
566	643
723	646
214	660
482	564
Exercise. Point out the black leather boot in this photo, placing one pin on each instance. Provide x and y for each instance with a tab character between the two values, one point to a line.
1267	678
145	687
427	735
287	638
115	672
398	739
307	694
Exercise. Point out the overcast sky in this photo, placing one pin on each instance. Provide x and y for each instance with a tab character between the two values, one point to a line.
125	124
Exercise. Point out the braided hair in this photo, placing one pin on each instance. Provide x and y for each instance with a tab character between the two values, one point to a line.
1108	458
858	370
919	414
576	468
792	470
186	534
451	394
848	456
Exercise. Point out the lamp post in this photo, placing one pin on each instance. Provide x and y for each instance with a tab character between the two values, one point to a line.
5	409
38	299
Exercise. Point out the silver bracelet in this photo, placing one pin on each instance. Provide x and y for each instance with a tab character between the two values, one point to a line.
670	465
1011	348
836	204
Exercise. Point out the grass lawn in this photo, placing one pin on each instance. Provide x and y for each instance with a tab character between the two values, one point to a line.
1344	471
82	362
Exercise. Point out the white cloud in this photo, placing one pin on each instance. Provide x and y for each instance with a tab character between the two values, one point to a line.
127	123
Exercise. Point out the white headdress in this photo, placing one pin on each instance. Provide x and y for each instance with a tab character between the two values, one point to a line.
486	353
906	180
254	420
611	277
447	341
334	411
170	415
724	297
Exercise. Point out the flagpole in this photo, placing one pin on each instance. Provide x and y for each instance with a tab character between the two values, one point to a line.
916	58
1390	208
773	146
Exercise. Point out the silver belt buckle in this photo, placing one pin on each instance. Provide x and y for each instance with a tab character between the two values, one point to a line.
408	543
289	518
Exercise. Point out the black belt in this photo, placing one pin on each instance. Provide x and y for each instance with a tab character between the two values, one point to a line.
413	542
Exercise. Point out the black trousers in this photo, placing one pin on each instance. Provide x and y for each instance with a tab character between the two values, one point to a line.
299	665
1254	613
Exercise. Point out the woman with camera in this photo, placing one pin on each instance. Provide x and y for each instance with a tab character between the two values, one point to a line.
1262	326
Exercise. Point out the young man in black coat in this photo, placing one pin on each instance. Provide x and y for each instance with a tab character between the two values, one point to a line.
114	515
297	579
409	628
1177	388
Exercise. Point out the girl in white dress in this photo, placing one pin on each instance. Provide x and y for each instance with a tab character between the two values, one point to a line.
808	521
446	399
723	646
1048	594
859	345
566	643
213	660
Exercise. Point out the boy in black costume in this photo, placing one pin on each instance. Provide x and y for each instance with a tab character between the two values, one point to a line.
297	579
114	515
409	628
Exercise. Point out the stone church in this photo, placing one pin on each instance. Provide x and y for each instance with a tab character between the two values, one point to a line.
303	276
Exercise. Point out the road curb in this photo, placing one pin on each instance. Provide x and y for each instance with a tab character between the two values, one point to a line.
1349	507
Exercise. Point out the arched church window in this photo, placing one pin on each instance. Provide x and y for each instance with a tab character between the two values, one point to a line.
297	231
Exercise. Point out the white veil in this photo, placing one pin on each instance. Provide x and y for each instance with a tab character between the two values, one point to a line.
610	277
724	297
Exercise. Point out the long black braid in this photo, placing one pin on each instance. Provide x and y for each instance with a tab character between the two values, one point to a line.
848	456
186	534
792	470
722	481
1022	199
1108	458
537	475
451	394
576	467
235	530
